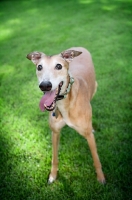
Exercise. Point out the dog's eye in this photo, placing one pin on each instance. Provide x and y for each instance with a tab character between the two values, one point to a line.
40	67
58	66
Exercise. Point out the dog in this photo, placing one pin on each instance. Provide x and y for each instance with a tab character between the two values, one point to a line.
68	82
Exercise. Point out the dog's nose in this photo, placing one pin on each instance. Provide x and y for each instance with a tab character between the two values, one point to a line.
45	85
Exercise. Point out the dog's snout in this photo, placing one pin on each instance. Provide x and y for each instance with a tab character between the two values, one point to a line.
45	85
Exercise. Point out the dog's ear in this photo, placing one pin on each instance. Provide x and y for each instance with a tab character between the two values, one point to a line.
34	56
68	55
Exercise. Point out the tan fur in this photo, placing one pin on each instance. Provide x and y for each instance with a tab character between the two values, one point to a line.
75	110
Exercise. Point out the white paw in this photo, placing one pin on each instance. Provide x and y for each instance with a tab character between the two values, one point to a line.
51	180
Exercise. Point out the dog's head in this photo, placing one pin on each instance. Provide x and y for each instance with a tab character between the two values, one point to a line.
52	73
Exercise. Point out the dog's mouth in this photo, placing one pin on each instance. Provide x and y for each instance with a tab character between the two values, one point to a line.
48	101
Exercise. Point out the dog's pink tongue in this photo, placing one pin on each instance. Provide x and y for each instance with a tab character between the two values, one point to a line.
47	99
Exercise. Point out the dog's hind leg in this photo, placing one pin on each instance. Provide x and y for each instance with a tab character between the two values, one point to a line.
87	133
92	145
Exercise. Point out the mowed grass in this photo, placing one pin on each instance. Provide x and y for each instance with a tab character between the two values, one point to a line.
105	28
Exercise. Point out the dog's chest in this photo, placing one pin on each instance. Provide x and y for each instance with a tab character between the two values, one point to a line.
65	115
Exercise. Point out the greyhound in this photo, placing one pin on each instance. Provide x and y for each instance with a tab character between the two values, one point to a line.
68	82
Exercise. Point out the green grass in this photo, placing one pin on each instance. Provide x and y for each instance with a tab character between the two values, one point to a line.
105	28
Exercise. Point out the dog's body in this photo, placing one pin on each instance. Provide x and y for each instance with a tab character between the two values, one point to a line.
74	110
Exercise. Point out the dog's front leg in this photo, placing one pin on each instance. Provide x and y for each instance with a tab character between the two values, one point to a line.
56	124
54	167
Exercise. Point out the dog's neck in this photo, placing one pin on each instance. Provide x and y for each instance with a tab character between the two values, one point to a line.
63	95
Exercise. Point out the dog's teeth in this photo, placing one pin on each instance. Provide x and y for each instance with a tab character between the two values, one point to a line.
51	107
45	105
56	91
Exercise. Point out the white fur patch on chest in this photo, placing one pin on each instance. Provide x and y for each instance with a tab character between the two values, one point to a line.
66	118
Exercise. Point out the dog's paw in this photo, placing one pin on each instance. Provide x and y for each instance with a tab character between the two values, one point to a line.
51	179
102	181
100	176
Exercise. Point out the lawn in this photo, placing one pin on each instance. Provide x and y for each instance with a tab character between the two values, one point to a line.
103	27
